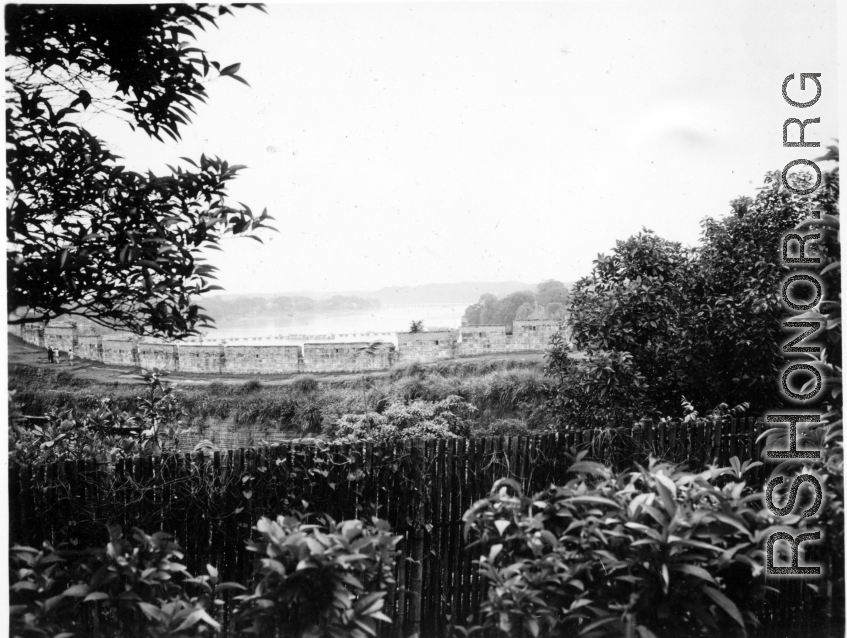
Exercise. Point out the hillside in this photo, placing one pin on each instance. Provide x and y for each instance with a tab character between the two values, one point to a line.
399	295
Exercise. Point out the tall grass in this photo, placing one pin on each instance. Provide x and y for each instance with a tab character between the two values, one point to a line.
507	392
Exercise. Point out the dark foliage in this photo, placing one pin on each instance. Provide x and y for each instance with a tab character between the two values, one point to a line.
664	326
309	581
87	236
654	552
547	302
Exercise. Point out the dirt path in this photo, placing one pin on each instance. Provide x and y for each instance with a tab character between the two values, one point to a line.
22	353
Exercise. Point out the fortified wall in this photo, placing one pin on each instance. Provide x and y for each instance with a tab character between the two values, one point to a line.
532	335
425	347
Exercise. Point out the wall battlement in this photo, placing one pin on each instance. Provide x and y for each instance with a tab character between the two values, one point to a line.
531	335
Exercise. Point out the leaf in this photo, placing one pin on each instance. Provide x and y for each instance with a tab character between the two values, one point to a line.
494	551
240	79
729	520
232	68
227	586
499	483
50	603
151	611
591	499
96	595
725	603
589	467
24	584
666	496
693	570
652	533
597	623
76	590
832	266
196	616
643	632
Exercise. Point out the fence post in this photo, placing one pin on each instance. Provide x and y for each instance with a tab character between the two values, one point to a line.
417	538
647	428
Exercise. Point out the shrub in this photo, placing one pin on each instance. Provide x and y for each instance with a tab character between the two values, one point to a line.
605	390
413	369
308	416
151	428
408	388
114	590
273	409
218	388
250	386
437	387
305	384
319	582
448	419
503	391
310	580
653	552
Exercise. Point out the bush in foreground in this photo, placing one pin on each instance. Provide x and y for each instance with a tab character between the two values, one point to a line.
310	580
656	552
311	583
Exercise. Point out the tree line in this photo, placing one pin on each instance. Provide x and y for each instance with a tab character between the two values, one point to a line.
670	330
548	301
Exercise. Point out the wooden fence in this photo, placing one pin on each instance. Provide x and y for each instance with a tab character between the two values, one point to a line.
422	487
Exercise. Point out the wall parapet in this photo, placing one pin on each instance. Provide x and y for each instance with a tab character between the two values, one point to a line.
532	335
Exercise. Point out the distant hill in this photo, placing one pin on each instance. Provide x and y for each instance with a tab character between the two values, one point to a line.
465	292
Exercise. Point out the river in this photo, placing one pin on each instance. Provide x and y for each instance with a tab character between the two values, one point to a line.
369	325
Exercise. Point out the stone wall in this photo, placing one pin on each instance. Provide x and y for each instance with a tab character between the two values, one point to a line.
262	359
477	340
61	336
119	352
89	348
425	347
163	356
532	334
128	351
33	334
200	358
342	357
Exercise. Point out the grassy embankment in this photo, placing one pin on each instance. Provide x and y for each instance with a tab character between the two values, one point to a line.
508	395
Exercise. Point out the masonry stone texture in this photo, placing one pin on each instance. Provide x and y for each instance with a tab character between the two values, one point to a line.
425	347
531	335
262	359
163	356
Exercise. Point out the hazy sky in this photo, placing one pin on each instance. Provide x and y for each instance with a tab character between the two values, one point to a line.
400	144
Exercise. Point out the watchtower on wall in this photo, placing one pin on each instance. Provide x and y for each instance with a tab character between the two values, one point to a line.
532	334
